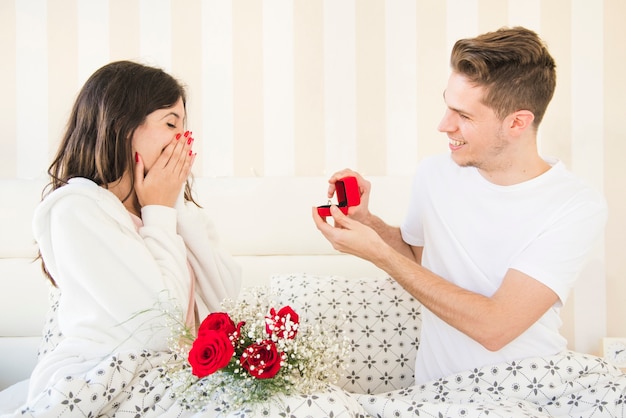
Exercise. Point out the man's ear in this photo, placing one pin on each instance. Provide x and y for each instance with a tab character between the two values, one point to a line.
520	121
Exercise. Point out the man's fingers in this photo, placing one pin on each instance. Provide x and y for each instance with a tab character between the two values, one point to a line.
341	220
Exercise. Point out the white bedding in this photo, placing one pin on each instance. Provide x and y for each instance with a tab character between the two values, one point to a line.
567	385
381	320
13	397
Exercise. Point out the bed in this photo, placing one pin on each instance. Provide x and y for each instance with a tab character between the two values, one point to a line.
265	223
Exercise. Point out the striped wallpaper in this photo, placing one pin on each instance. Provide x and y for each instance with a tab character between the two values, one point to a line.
306	87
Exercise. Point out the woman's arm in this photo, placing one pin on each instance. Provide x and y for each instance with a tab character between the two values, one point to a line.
218	276
108	273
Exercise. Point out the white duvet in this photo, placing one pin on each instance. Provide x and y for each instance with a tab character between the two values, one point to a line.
568	385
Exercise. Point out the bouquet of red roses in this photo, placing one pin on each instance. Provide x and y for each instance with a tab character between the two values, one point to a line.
251	352
220	343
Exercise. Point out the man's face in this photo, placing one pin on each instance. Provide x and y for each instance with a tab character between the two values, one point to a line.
474	132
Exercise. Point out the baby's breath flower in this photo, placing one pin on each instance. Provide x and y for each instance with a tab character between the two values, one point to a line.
301	346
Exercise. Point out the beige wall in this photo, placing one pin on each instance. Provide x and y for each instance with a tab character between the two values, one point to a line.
306	87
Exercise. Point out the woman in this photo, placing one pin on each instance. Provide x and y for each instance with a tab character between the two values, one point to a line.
123	241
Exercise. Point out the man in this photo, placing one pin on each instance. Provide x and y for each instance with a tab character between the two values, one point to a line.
495	235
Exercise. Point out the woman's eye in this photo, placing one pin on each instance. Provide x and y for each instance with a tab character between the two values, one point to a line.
171	125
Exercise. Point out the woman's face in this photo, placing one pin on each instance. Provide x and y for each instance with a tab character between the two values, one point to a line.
157	131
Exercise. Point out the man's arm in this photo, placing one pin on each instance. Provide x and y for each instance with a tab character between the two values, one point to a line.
492	321
392	236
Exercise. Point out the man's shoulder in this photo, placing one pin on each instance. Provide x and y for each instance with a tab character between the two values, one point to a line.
570	182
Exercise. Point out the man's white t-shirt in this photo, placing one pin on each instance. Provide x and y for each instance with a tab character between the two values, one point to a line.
473	231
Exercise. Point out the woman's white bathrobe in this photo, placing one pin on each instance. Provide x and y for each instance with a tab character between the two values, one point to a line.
111	277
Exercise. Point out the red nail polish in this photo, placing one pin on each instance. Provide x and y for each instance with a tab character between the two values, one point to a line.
136	157
189	141
186	134
190	152
178	136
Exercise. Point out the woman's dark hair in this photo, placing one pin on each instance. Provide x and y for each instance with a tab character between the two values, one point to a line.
113	102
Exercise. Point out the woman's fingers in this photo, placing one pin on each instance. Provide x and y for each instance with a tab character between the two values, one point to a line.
178	157
164	180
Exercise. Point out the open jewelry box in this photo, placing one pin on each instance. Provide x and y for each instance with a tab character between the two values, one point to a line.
348	195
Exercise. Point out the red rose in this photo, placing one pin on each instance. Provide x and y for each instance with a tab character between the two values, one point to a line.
217	321
283	323
261	360
211	351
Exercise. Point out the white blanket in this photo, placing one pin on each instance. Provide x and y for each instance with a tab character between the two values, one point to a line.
567	385
129	384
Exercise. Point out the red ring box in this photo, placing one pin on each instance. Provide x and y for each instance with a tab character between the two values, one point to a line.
347	190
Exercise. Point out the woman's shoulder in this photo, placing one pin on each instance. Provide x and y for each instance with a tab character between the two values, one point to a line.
79	189
78	196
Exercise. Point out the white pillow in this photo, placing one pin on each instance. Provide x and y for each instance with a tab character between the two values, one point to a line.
378	316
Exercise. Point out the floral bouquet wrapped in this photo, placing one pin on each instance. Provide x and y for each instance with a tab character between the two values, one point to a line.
251	352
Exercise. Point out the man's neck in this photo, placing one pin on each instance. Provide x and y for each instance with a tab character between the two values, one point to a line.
516	171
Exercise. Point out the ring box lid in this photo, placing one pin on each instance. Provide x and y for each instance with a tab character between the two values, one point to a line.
347	191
